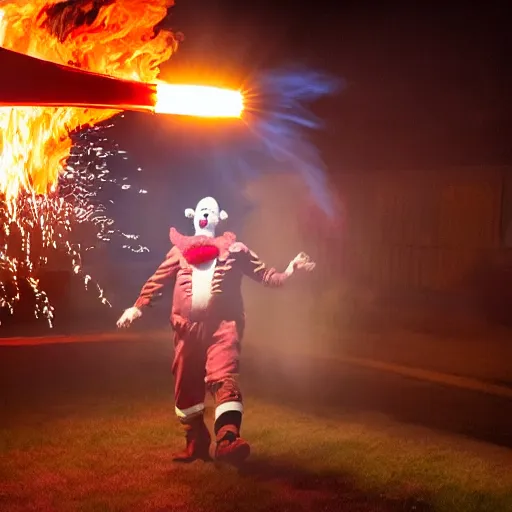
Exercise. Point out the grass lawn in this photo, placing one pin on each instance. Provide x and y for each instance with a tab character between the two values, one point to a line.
117	457
90	427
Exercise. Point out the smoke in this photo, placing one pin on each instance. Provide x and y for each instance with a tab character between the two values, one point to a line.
281	126
223	157
275	137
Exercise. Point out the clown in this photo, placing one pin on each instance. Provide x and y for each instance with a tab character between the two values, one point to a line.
207	318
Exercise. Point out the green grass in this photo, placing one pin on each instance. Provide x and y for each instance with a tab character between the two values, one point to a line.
116	457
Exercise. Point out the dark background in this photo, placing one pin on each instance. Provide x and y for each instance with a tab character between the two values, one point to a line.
427	87
428	82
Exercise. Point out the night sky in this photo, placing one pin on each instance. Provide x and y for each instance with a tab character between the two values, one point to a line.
427	87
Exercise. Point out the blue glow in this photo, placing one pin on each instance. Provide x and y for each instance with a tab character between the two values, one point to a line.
276	134
281	127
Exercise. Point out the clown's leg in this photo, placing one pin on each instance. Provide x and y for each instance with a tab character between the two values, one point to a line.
189	372
221	376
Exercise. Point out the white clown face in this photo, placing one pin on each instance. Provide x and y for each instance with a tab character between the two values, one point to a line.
207	216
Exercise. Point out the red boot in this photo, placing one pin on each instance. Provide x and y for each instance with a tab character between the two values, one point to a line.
198	442
231	448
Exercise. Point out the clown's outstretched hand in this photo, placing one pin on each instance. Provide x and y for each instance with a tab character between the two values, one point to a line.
301	262
129	316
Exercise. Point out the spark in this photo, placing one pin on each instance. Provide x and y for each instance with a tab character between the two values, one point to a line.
51	171
37	227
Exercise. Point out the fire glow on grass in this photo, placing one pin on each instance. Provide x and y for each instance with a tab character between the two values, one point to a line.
37	217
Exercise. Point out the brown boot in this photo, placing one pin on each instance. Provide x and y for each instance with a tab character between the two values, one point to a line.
198	442
231	448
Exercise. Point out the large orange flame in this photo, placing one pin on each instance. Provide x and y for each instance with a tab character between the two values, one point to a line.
103	36
34	142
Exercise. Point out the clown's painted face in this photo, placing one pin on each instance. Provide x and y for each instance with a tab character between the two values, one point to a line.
207	216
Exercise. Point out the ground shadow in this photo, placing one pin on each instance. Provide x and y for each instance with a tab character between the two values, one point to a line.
326	491
69	379
31	378
324	386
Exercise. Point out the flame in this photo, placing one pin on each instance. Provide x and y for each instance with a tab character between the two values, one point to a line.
198	100
103	36
120	42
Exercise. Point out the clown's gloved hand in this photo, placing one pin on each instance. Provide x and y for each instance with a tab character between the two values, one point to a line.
301	262
129	316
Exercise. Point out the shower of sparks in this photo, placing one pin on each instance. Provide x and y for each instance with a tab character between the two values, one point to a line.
52	173
36	228
85	178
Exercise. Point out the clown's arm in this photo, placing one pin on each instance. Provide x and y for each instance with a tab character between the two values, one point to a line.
152	288
253	267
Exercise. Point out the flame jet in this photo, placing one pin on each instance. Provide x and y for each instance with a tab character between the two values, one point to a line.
57	54
38	83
